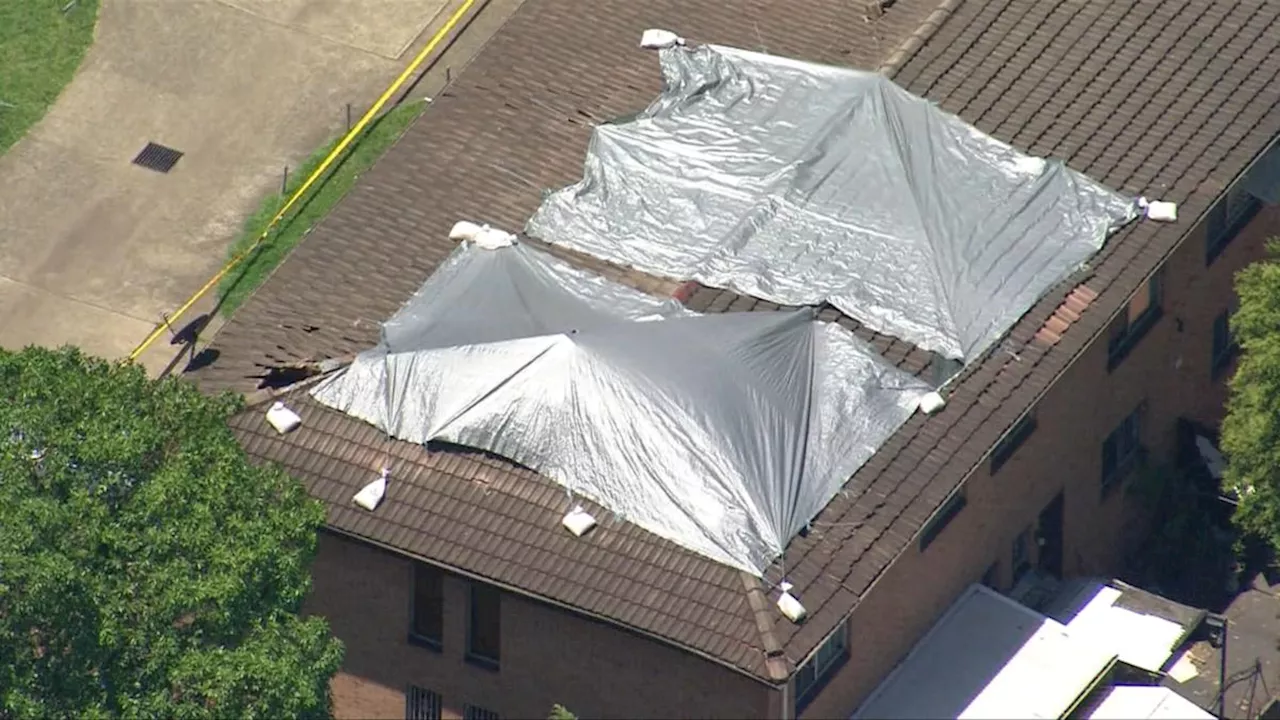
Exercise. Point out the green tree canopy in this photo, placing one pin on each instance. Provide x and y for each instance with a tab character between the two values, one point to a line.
1251	430
559	712
146	567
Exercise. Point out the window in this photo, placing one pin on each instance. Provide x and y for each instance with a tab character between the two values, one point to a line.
945	514
1017	435
484	628
475	712
818	669
421	704
1143	312
426	626
1122	450
1224	346
1232	212
1021	555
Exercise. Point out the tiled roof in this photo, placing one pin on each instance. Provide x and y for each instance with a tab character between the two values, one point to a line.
1169	98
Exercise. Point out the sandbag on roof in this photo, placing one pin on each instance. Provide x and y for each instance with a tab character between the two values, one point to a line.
801	184
723	433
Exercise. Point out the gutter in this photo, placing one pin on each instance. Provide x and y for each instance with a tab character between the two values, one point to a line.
561	605
779	672
1273	143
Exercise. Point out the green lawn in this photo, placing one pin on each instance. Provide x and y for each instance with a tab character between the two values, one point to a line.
40	48
320	199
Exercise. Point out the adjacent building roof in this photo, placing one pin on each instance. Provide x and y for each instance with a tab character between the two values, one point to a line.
1144	629
1167	98
989	657
1143	702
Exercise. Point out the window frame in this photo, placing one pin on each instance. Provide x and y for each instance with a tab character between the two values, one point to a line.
422	571
814	674
941	518
1020	555
1123	459
1222	353
1126	331
1223	222
1009	444
422	704
477	591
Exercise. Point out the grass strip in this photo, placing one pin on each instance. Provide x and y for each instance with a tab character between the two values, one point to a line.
323	196
42	43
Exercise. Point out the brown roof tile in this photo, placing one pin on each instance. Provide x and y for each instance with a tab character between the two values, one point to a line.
1170	98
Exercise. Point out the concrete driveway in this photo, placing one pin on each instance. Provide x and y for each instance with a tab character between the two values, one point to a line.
94	249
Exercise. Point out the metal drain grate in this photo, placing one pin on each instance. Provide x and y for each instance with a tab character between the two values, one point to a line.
157	157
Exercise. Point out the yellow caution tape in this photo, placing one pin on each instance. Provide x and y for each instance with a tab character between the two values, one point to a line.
342	145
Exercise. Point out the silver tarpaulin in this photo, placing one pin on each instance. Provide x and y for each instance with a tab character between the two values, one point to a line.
802	184
723	433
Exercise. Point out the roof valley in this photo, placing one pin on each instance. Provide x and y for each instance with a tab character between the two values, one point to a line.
1055	79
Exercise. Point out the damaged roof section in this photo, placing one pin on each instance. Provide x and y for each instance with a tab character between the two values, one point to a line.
803	184
723	433
989	656
1167	97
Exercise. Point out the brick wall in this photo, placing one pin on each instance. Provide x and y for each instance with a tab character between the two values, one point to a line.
1197	298
1169	369
549	655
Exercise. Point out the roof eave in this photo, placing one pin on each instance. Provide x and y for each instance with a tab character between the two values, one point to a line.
771	678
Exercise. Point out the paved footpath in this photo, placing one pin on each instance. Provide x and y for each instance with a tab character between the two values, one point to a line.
94	249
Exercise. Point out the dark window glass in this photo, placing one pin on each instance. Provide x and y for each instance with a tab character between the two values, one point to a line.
1224	346
1122	450
1232	212
427	620
1011	442
1021	555
814	673
951	507
484	631
1143	312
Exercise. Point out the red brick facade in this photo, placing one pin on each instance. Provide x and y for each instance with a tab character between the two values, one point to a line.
551	655
1169	369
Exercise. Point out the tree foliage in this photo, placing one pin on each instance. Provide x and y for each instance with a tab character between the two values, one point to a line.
558	712
146	567
1251	430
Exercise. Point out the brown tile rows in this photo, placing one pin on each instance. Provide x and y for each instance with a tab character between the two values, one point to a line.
1162	97
516	122
1170	98
470	510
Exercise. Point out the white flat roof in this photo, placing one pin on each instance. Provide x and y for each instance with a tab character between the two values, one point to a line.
1140	702
989	657
1145	641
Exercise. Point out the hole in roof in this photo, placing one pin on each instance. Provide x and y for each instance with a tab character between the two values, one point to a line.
282	376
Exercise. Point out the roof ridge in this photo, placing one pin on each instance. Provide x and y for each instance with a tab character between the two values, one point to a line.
918	38
927	47
775	661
